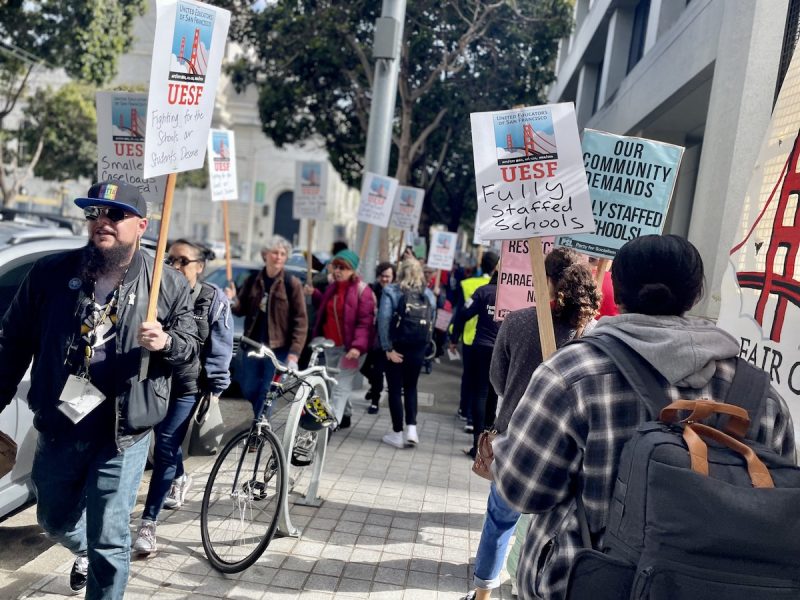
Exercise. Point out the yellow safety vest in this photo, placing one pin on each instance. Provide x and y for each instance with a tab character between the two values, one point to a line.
468	287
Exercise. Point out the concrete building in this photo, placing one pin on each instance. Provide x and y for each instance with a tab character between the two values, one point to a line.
699	73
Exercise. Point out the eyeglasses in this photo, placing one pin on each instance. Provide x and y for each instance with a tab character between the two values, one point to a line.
180	261
92	213
340	267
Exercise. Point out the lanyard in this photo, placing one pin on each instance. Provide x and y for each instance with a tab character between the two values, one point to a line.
92	332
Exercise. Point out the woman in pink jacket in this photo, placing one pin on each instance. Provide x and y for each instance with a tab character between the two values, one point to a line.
346	315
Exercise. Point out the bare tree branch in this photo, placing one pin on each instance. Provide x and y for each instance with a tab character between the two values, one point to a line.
415	146
362	57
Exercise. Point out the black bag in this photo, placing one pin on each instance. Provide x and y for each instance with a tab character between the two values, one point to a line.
413	323
676	533
207	428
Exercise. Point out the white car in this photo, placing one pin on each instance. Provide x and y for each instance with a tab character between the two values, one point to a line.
18	251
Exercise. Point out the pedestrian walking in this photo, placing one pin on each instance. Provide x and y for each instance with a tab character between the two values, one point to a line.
405	325
346	315
80	315
567	432
206	374
517	353
375	364
274	310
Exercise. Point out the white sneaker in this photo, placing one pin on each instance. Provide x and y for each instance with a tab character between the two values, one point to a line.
178	491
395	439
411	435
145	538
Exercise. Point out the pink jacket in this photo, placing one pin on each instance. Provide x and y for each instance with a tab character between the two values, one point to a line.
359	314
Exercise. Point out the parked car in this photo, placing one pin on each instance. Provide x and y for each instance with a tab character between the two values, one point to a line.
20	247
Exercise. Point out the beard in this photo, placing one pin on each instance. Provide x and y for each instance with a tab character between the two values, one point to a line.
98	262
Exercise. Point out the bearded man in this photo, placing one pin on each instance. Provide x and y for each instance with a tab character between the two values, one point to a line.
80	315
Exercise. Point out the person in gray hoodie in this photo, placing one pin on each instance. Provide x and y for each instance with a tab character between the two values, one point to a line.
578	411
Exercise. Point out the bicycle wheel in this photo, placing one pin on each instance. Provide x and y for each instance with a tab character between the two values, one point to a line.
242	500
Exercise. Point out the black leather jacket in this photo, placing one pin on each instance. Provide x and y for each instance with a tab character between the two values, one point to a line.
42	321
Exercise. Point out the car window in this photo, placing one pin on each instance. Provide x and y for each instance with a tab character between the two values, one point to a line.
219	278
11	275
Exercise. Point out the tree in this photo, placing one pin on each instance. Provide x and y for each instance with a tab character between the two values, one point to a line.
311	62
84	37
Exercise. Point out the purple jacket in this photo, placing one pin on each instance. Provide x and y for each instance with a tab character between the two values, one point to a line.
359	314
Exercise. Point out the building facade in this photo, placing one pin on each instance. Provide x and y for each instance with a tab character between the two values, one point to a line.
699	73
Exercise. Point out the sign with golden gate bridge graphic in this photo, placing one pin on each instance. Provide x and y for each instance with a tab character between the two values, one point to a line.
761	286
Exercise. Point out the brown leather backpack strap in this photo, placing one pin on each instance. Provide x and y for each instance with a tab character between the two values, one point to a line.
737	424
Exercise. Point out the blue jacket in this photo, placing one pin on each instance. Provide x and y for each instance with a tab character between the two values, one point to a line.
216	353
390	300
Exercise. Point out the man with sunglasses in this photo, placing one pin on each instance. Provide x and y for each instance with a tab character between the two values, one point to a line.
100	379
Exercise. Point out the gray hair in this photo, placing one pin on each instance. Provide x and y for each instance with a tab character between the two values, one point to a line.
277	241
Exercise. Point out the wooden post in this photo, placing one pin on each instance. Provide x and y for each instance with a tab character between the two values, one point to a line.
362	253
544	316
163	232
309	258
226	227
437	282
602	268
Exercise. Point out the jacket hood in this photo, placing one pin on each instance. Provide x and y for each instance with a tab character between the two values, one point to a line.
683	349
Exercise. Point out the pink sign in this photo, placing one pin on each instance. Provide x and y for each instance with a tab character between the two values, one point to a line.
515	281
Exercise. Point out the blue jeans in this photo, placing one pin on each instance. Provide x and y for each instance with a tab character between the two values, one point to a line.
85	493
168	456
498	526
256	378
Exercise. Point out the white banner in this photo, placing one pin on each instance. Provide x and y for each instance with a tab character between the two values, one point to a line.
529	173
407	208
377	198
187	56
443	250
222	165
310	190
121	125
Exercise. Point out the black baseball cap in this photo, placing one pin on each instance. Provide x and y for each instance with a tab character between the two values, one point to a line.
117	194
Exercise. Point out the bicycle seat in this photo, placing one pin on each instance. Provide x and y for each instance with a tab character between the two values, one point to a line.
321	343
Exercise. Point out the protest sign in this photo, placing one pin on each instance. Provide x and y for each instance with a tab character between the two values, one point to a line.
630	182
121	125
310	188
407	208
515	289
529	173
187	56
377	198
443	250
761	286
222	165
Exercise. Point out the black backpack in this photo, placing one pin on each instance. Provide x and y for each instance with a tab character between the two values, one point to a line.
413	319
675	533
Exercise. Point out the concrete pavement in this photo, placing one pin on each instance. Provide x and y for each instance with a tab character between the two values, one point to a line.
394	524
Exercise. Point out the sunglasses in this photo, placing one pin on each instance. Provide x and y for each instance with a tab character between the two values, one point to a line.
180	261
92	213
340	267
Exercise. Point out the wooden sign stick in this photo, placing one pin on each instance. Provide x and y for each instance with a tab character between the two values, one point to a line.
602	268
544	316
309	260
226	227
362	253
163	232
437	282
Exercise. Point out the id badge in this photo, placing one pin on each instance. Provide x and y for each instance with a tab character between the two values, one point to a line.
78	398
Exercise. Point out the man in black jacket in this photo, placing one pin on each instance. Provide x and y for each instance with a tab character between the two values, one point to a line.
80	315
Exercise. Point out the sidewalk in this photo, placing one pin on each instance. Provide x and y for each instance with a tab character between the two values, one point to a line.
394	524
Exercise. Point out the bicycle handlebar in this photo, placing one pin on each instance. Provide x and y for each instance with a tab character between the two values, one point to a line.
263	351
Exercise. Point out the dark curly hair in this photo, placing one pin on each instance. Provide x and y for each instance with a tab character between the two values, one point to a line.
558	260
577	298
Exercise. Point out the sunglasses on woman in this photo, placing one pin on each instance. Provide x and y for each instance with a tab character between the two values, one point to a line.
92	213
180	261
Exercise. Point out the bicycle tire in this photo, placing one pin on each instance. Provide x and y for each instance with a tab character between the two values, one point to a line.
227	504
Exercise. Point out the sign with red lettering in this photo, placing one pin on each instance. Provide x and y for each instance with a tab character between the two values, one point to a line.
407	208
377	199
222	165
121	125
529	174
630	182
187	57
443	250
515	279
310	190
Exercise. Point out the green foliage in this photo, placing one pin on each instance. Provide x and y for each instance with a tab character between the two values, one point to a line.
65	123
197	178
312	66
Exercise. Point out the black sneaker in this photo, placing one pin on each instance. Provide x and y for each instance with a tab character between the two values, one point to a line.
345	422
79	574
373	409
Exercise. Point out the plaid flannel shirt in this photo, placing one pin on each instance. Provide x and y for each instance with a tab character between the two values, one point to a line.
572	422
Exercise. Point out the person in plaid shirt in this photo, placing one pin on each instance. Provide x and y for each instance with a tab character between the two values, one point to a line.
569	428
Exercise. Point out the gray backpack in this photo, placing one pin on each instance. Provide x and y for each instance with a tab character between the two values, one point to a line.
675	533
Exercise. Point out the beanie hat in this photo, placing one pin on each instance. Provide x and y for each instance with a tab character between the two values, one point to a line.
347	256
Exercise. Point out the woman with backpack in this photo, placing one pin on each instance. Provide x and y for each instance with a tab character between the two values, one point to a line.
207	373
517	354
405	325
346	315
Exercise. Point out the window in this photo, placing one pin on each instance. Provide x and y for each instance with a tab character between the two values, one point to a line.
640	17
790	35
